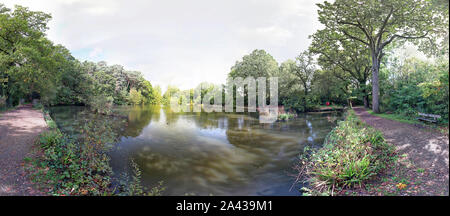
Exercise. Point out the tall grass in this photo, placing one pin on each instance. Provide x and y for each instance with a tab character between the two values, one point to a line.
352	154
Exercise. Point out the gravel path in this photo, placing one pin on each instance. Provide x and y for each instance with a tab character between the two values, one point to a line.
425	148
18	130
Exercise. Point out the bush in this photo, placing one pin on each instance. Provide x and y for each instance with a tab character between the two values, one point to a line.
65	168
131	186
49	138
352	154
285	116
135	97
416	86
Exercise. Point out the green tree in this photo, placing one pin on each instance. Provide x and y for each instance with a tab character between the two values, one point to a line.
287	84
376	24
25	53
346	59
171	90
135	97
259	63
305	70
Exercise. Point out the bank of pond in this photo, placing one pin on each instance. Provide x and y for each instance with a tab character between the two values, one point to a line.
199	153
150	150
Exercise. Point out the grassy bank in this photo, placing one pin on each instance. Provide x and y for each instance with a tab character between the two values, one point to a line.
66	166
352	155
395	117
441	126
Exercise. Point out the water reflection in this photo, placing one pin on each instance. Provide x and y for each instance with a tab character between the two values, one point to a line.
208	153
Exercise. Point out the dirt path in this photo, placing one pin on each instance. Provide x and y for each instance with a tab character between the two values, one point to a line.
427	149
18	130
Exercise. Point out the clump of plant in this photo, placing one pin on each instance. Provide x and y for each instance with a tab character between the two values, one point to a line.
38	106
131	185
68	168
285	116
353	153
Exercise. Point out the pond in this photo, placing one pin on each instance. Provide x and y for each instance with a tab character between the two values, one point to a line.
206	153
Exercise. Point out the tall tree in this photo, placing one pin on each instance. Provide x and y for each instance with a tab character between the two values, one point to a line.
376	24
305	70
23	50
259	63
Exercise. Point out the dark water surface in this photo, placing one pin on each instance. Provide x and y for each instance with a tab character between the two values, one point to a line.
206	153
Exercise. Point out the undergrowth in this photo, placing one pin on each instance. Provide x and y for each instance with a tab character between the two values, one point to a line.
352	154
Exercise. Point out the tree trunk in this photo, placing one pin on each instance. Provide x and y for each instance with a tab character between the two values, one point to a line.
375	87
365	97
366	101
31	92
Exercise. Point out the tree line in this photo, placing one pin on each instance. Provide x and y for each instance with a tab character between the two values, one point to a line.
32	66
352	59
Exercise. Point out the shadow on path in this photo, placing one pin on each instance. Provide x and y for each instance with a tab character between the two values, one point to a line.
18	130
426	148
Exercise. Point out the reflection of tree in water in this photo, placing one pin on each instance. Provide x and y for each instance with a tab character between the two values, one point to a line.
72	119
211	120
223	120
139	117
171	117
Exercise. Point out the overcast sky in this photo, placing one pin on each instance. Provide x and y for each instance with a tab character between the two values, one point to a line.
178	42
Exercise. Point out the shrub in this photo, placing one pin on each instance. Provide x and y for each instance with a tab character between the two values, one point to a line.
285	116
135	97
131	186
49	138
352	154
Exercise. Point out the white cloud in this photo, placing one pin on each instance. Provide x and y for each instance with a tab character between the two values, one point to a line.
178	42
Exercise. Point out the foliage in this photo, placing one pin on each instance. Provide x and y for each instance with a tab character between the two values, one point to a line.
285	116
410	86
100	103
26	62
256	64
376	24
345	60
135	97
352	154
171	90
68	167
131	186
31	66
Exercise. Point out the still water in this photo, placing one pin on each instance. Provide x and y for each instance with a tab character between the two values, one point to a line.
206	153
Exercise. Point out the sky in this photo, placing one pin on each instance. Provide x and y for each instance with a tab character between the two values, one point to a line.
178	42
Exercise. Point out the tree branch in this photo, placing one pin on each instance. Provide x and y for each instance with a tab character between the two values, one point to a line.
380	33
355	38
